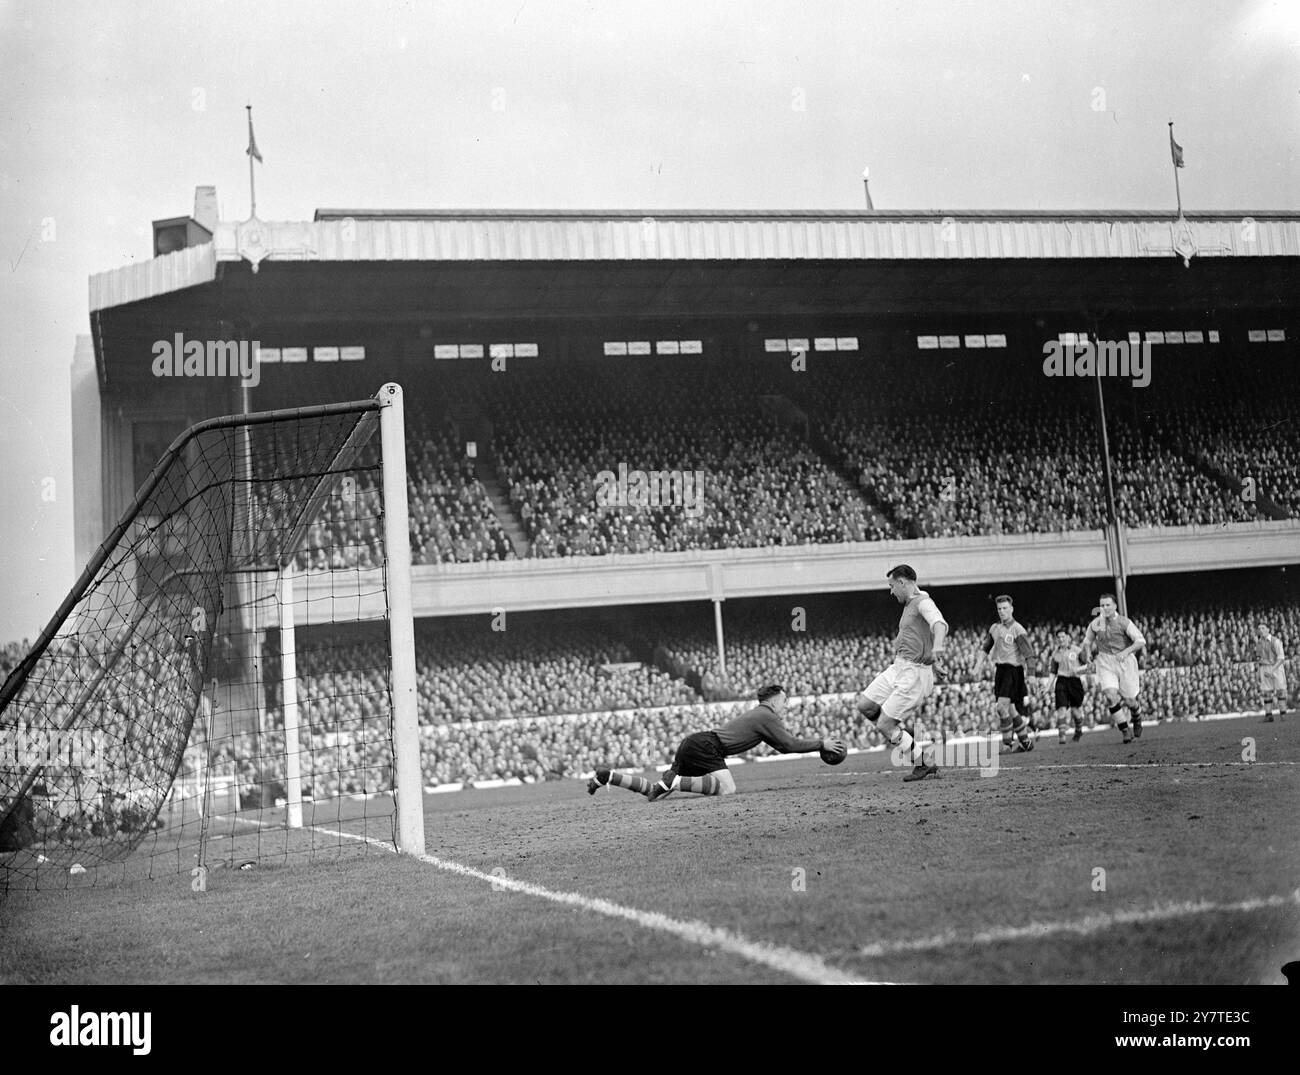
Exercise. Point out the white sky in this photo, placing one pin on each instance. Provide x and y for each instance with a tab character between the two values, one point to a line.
112	112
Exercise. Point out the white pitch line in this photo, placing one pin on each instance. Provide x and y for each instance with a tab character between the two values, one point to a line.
1085	765
1159	765
1082	927
802	965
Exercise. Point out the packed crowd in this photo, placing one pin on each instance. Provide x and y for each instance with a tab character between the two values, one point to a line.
760	485
947	456
912	445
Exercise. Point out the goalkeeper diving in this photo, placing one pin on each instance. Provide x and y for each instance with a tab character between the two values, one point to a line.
700	765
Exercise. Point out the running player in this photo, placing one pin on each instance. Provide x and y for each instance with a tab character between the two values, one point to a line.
904	685
1008	643
1272	672
1117	640
700	764
1067	668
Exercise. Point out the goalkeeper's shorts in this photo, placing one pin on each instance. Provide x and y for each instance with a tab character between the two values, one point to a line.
699	754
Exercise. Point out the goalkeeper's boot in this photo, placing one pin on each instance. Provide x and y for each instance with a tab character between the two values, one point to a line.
598	781
1137	725
920	772
663	786
1128	733
1078	732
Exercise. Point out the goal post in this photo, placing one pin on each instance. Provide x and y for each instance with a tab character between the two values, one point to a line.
401	626
259	542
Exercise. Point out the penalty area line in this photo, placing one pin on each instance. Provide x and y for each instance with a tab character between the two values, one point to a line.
1082	927
801	965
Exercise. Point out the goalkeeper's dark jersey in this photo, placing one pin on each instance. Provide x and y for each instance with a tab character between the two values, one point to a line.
761	725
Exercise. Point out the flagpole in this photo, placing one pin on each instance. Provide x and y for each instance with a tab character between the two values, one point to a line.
1178	193
252	189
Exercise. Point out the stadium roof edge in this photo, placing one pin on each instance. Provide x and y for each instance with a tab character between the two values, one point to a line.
560	237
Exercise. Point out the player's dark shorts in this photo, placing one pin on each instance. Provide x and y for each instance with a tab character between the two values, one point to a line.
1069	692
700	754
1009	682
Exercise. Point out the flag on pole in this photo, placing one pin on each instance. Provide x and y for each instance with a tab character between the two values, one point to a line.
1175	150
252	142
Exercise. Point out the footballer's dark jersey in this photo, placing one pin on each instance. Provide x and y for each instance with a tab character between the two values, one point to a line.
761	725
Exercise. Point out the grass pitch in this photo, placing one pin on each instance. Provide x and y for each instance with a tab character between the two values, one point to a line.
1172	860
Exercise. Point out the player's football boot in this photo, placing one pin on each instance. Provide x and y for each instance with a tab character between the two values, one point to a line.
1128	734
920	772
598	781
663	786
1078	733
1268	718
1137	726
1061	735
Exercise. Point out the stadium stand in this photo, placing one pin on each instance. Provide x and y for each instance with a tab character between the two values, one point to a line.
857	448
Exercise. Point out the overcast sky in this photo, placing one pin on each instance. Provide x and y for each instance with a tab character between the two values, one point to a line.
112	112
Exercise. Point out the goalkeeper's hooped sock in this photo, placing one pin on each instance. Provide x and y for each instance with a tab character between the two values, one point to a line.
631	781
701	785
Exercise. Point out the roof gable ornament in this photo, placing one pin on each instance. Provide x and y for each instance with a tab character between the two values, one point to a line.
1184	241
252	242
256	240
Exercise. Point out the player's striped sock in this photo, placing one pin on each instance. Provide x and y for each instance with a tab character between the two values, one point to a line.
701	785
1120	724
631	781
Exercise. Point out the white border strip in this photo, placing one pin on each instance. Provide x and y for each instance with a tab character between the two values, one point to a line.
1083	927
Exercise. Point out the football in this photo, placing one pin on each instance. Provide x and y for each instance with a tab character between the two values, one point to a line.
834	757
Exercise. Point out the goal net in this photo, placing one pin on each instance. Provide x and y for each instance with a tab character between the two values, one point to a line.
231	680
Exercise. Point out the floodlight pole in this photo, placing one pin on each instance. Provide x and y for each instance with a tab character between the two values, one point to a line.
722	647
408	778
1114	541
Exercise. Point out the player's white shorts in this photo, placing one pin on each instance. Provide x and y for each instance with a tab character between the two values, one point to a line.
1273	680
1118	675
901	687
